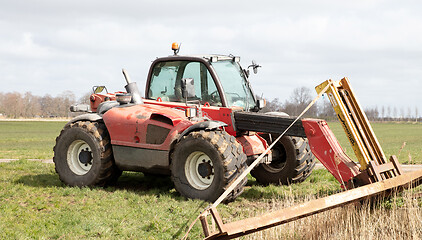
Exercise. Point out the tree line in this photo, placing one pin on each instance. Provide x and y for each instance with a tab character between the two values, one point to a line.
301	97
27	105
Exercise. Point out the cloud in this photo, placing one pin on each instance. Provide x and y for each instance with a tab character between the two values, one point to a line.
51	46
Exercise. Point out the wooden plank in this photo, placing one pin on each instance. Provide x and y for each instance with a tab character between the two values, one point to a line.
217	219
385	167
204	224
251	225
375	171
396	164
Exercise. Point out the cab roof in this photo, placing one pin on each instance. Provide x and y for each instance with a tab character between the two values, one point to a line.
209	57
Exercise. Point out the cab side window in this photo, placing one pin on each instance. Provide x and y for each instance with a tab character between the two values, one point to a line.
192	71
166	82
163	81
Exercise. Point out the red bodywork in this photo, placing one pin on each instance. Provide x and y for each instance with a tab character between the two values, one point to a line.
252	144
128	126
222	114
96	99
326	148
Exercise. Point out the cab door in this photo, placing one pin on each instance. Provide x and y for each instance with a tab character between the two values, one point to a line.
166	77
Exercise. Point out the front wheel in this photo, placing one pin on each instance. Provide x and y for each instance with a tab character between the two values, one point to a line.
204	164
83	155
292	162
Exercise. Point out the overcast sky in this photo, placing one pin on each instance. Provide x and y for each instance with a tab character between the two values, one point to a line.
50	46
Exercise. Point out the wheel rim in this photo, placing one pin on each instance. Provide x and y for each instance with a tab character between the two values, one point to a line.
278	161
79	157
199	170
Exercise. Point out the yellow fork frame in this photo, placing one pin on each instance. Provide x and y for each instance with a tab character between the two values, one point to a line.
354	121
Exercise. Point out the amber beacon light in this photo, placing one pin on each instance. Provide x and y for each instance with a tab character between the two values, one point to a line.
175	47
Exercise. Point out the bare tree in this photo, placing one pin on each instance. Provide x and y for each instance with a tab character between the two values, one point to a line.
85	98
2	111
325	110
17	105
63	102
13	105
401	113
32	105
299	100
382	113
394	112
273	106
372	113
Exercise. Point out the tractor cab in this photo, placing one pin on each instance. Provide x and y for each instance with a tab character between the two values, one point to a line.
214	80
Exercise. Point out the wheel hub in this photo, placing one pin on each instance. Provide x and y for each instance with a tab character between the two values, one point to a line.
79	157
199	170
205	169
85	156
278	160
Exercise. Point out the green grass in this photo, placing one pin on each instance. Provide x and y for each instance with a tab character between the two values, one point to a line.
28	140
391	137
34	204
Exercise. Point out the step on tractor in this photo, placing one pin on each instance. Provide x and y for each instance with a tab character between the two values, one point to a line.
199	122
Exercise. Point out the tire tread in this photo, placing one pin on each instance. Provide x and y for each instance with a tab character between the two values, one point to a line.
108	172
230	151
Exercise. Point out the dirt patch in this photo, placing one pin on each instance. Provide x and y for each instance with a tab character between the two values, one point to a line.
34	119
38	160
7	160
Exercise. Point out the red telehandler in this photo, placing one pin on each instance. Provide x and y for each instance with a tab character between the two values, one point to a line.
198	122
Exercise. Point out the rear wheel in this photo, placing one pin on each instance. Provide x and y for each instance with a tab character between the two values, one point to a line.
292	162
83	155
204	164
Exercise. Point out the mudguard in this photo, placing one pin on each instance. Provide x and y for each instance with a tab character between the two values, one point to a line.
207	125
92	117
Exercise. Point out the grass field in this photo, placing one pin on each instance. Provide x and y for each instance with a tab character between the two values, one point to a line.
28	140
400	139
35	140
34	204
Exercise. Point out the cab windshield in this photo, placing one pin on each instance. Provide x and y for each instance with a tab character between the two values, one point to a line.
234	84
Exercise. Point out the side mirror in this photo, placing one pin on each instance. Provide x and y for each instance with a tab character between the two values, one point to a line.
99	89
188	88
261	103
254	66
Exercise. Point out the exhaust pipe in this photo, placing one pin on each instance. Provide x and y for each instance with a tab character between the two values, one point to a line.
132	88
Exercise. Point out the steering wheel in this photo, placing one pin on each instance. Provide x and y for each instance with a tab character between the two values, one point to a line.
233	93
215	97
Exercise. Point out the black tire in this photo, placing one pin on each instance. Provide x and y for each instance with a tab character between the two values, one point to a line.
83	155
204	164
292	162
